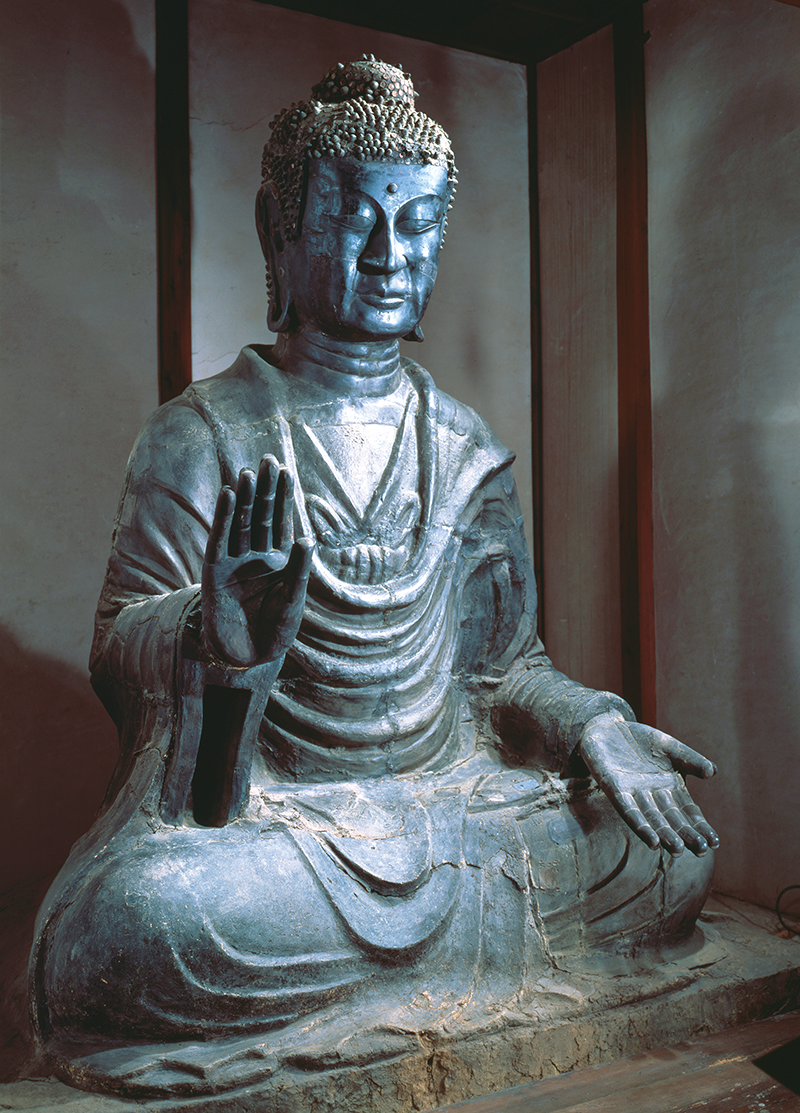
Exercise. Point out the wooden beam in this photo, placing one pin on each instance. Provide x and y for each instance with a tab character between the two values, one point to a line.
572	12
173	198
537	436
510	29
637	599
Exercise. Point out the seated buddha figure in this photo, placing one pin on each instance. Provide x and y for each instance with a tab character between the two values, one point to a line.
355	799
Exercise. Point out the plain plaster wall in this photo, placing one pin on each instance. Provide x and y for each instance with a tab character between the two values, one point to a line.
723	109
79	377
577	207
250	60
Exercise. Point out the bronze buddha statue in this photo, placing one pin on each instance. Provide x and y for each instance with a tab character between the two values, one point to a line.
351	784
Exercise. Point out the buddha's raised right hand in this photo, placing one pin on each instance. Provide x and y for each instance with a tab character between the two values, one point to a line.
254	578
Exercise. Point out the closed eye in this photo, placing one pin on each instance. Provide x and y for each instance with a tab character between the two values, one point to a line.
353	222
411	227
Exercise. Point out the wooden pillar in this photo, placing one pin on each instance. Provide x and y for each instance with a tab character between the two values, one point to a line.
537	438
637	602
173	198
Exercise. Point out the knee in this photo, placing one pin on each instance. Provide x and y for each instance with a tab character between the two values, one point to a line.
97	953
687	883
187	931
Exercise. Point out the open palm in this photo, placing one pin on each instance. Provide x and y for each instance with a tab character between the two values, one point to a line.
255	574
641	770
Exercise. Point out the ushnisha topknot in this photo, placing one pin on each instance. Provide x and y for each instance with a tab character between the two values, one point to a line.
362	110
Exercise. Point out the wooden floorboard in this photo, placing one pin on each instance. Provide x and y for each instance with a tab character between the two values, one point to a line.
715	1074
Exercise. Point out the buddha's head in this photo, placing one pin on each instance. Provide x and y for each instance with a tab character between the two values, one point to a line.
352	208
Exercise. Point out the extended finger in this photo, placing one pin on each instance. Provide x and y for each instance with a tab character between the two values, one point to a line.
634	817
688	760
695	816
298	568
283	529
239	542
680	822
701	824
668	838
264	506
217	544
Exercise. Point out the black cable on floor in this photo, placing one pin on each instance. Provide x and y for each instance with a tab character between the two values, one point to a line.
784	925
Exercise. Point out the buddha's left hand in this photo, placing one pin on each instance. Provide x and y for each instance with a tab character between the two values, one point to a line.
641	771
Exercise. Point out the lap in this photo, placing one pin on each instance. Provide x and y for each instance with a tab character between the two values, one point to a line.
187	929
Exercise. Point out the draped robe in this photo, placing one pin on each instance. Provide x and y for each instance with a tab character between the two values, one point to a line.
414	825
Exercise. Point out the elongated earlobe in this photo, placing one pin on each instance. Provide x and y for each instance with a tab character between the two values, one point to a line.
268	223
278	307
415	334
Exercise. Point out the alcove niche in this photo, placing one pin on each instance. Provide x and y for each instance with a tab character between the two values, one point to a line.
616	296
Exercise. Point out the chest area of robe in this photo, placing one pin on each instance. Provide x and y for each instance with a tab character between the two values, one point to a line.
359	473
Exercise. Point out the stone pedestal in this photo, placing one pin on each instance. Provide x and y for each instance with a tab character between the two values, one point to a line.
735	971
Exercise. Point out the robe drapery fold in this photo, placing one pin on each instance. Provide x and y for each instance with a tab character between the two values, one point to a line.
361	642
405	830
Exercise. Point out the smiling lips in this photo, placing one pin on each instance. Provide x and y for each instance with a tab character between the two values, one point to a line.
389	299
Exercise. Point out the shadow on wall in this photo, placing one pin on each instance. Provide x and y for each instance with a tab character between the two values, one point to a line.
727	428
59	753
18	908
58	756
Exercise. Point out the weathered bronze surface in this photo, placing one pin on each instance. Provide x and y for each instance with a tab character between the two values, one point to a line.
351	784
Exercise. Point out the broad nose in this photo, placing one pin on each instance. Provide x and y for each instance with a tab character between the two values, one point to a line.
383	253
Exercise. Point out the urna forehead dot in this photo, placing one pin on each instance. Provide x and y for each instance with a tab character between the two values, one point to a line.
390	184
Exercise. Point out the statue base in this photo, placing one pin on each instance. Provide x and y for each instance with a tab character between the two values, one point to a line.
735	970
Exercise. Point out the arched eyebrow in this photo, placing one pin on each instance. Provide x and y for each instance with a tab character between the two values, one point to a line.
355	198
433	197
429	207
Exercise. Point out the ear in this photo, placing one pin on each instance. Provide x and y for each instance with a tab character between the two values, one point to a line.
269	225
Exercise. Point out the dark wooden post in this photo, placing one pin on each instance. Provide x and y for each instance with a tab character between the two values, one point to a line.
633	328
173	198
537	541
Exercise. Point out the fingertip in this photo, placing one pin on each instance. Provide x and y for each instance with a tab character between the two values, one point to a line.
267	474
648	835
302	550
226	500
246	487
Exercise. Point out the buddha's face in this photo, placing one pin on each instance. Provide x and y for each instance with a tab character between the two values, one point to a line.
366	261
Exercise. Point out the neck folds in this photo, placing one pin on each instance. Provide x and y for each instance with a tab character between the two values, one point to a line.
346	368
